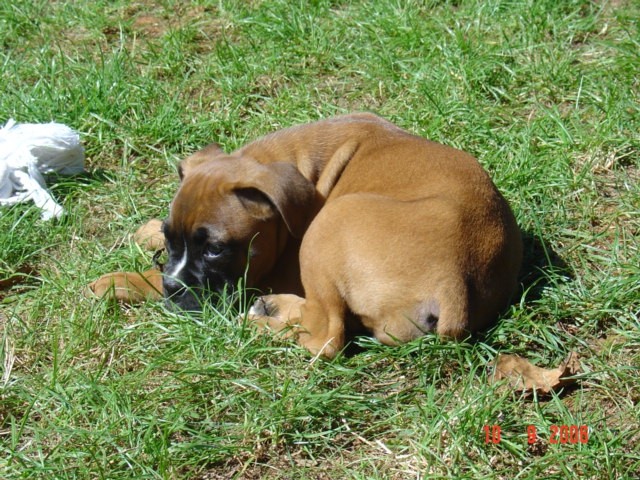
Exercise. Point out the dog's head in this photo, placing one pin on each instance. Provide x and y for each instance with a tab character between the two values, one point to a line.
231	216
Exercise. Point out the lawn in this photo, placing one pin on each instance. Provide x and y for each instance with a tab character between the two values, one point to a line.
543	92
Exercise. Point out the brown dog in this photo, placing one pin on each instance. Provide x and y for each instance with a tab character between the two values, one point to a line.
380	230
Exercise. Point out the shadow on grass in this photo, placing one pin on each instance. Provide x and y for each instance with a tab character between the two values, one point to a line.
542	267
26	237
63	186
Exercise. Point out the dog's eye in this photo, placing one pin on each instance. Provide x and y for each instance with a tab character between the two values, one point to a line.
213	250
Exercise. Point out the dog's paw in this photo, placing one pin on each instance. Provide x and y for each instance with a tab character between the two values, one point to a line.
262	307
276	312
149	236
111	285
126	287
258	313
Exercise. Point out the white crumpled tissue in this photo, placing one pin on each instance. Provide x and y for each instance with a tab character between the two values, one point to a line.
28	151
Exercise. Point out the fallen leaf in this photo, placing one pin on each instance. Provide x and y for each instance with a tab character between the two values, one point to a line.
523	376
9	279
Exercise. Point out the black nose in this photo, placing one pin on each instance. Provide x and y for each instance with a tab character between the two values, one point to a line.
178	296
172	287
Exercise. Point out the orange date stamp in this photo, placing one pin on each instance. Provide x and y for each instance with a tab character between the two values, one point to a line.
558	434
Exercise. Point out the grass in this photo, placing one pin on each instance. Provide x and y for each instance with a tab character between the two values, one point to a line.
544	93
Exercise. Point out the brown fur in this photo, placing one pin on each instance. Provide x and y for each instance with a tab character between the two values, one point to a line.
400	233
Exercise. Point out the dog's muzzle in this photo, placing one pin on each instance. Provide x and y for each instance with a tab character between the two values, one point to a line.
179	296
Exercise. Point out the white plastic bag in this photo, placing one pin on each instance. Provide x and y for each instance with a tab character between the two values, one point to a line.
27	152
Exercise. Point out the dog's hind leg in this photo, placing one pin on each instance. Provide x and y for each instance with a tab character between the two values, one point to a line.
322	324
445	314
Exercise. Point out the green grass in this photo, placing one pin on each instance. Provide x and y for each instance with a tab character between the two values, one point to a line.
544	93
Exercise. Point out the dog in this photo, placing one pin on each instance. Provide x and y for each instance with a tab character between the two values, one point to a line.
346	224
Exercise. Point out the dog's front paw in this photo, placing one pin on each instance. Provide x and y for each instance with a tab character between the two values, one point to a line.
110	285
127	287
149	236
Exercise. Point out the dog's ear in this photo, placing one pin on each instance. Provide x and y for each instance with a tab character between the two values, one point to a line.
207	153
282	187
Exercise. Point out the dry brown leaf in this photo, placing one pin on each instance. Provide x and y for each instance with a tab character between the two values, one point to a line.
523	376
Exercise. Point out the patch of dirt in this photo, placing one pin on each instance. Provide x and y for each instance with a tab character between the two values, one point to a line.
613	4
296	463
150	26
148	22
151	21
615	175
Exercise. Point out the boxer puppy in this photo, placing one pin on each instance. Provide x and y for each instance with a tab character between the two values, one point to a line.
351	223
